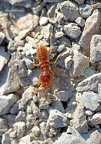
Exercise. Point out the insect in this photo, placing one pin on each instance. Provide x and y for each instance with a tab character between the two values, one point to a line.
45	77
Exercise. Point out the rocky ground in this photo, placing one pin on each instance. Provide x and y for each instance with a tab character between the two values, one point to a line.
69	111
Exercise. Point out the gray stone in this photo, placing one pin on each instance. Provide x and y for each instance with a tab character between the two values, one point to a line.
80	21
2	37
57	119
11	83
72	30
65	41
95	48
90	100
99	91
80	63
25	139
21	35
3	126
46	30
59	17
59	34
89	72
43	128
85	10
32	22
68	62
6	102
21	116
96	118
89	113
27	95
6	138
20	128
63	95
36	131
70	137
12	2
69	10
79	119
90	83
14	109
13	31
29	63
33	109
80	1
14	45
58	106
91	27
31	41
10	119
95	137
61	48
51	11
4	57
50	1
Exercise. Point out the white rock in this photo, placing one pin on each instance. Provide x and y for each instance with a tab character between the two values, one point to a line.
36	131
90	100
79	119
85	10
6	102
96	118
43	21
70	137
57	119
25	140
72	30
70	10
46	30
20	128
80	63
4	57
95	48
3	126
80	21
91	27
90	83
10	82
68	62
2	36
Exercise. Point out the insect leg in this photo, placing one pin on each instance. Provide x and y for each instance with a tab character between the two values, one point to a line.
50	50
55	60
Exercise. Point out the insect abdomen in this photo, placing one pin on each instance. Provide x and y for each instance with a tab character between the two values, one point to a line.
42	54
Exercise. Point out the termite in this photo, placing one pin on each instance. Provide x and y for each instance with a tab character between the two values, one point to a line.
42	53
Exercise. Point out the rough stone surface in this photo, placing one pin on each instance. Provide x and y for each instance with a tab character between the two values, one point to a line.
96	119
69	10
3	126
80	1
79	119
85	10
80	21
57	119
90	100
70	137
91	27
95	51
80	63
90	83
72	30
2	36
12	82
4	57
6	102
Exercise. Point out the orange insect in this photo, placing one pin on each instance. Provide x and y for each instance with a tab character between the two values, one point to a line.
43	58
